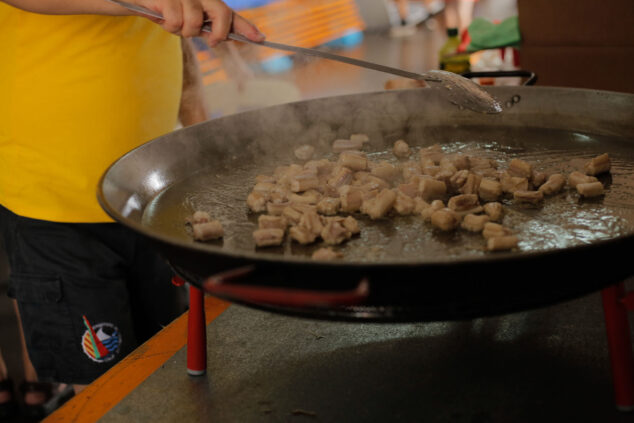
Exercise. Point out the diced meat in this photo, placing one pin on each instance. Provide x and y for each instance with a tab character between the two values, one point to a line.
265	178
351	224
385	171
404	205
576	178
334	232
520	168
362	138
445	219
302	235
304	182
200	217
256	202
474	223
326	254
380	205
340	176
528	197
312	222
304	152
553	185
208	230
320	167
591	189
472	184
463	202
538	178
292	215
401	149
329	206
410	169
268	222
268	237
598	165
431	189
410	189
433	153
308	197
510	183
354	160
420	204
342	145
426	212
494	211
489	190
276	209
350	198
502	243
492	230
458	180
304	208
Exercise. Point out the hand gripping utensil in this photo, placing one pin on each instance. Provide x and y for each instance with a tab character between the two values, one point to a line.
461	91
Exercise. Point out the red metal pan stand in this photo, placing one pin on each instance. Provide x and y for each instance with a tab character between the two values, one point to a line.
616	304
196	330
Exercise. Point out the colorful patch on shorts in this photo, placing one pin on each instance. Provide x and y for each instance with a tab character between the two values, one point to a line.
101	342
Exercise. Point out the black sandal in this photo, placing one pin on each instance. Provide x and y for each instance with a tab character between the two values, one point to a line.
9	408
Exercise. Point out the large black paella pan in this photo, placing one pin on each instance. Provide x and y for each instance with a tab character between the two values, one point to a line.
398	269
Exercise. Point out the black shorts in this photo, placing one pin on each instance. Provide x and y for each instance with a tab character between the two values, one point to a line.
88	294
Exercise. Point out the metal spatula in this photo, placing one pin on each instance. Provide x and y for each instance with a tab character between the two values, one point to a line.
461	91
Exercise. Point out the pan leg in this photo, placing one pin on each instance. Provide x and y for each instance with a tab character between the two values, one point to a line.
619	345
196	333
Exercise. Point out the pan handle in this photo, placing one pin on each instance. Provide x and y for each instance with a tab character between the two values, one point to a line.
219	285
532	76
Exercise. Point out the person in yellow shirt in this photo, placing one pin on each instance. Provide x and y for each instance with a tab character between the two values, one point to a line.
82	83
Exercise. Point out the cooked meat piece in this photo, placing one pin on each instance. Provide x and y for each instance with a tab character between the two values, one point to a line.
474	223
598	165
529	197
520	168
312	222
265	178
302	183
472	184
362	138
304	208
431	189
576	178
463	202
292	215
553	185
302	235
494	211
492	230
429	168
329	206
410	169
351	224
334	232
276	209
404	205
459	161
502	243
433	153
342	145
257	202
354	160
591	189
340	176
200	217
426	212
445	219
445	173
510	183
304	152
308	197
208	230
319	167
420	204
489	190
458	180
264	187
480	164
268	222
409	189
380	205
279	194
401	149
538	178
268	237
350	198
385	171
326	254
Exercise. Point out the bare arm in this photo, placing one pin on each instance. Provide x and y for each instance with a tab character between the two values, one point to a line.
182	17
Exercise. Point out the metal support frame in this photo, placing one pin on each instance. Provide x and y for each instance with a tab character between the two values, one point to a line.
196	330
616	303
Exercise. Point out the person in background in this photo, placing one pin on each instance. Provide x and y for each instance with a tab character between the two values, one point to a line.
83	82
409	20
458	14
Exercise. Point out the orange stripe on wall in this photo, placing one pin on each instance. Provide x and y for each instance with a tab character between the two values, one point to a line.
107	391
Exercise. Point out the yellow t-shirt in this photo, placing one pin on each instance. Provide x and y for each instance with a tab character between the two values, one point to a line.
76	93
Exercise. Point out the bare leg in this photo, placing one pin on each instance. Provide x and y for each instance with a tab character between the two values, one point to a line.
403	10
30	398
5	396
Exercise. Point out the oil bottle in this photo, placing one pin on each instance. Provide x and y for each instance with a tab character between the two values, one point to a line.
450	60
